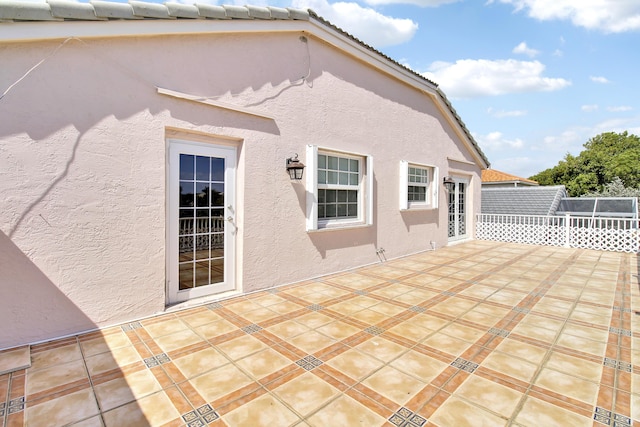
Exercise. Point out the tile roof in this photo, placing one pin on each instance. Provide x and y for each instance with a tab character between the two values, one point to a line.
529	200
492	175
14	11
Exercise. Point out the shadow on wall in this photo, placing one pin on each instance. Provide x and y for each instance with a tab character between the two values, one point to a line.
32	308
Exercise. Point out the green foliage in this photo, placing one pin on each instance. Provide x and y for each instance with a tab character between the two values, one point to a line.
616	188
605	157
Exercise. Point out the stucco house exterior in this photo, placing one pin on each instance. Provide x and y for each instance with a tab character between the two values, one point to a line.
143	152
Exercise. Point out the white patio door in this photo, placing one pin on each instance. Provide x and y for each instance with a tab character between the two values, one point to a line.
201	220
458	210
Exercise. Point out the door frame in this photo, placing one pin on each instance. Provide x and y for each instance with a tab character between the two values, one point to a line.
175	147
459	180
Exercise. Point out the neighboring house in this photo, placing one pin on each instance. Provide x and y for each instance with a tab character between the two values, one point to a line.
533	200
143	148
495	178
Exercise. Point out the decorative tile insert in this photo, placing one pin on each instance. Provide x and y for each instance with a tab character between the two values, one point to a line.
200	417
520	310
609	418
156	360
417	309
622	309
309	362
361	292
619	331
214	306
374	330
315	307
252	328
273	290
406	418
499	332
617	364
15	405
131	326
464	365
448	293
2	406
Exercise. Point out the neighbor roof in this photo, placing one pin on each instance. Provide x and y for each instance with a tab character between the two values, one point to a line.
536	200
13	11
490	176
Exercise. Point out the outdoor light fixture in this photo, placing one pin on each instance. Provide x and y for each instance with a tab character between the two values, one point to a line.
295	167
449	183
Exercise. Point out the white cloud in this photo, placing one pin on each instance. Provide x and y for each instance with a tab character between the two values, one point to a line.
499	114
558	53
421	3
469	78
495	141
619	108
522	48
368	25
599	79
589	108
610	16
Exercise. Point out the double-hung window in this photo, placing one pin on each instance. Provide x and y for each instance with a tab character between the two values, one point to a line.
418	189
339	189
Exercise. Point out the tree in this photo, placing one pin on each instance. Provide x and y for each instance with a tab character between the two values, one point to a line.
616	188
605	157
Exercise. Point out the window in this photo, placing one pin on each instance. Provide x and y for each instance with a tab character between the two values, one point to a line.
339	187
418	186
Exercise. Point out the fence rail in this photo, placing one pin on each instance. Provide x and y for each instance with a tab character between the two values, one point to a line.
606	234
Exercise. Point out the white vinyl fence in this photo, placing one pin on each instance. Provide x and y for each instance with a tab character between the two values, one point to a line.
605	234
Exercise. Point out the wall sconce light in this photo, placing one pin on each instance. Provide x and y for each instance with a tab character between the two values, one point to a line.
449	183
295	167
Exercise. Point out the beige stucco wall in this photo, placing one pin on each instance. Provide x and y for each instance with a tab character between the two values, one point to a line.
83	175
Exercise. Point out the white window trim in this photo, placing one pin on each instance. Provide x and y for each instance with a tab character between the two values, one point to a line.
432	189
365	205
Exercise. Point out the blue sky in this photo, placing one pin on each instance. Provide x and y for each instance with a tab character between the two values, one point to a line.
531	79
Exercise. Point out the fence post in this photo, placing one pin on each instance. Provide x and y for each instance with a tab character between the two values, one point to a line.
567	224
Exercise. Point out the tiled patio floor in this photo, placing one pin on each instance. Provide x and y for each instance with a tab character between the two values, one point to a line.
478	334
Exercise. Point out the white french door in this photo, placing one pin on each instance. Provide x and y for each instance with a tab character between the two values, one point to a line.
201	220
458	220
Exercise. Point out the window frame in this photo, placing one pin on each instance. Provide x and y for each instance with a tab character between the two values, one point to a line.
432	193
364	188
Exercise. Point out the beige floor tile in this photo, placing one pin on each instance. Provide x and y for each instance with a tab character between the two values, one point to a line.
381	349
90	422
220	382
537	413
105	343
265	411
365	301
55	356
538	321
55	376
346	308
241	347
568	385
369	317
150	411
583	316
393	384
312	341
314	320
306	393
479	291
464	333
539	333
511	366
15	359
573	342
63	410
199	362
411	331
394	291
446	343
338	330
169	326
495	397
215	329
345	412
388	309
200	318
429	322
574	366
422	367
124	390
268	300
507	296
522	350
492	310
455	412
285	307
263	363
115	359
178	340
480	318
242	305
288	329
355	364
453	307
